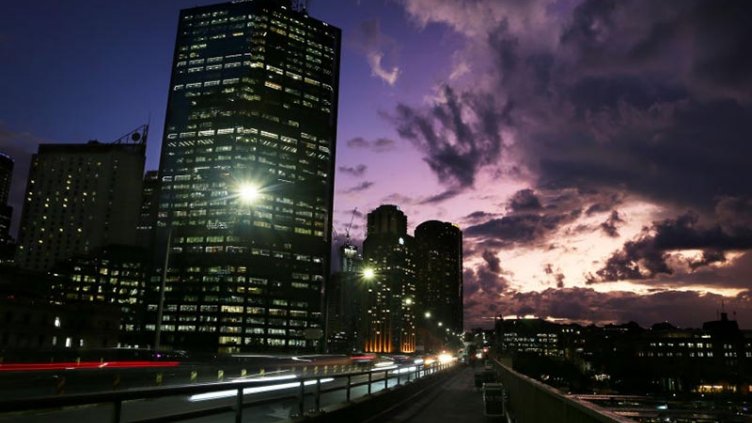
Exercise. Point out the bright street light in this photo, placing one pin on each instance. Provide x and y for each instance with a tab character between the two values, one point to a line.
368	273
248	193
427	315
408	301
441	324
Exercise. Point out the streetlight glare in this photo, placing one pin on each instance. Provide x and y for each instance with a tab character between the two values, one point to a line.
369	273
427	315
248	193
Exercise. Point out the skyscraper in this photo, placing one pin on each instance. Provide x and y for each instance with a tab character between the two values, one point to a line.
6	211
439	277
246	178
389	252
80	198
346	295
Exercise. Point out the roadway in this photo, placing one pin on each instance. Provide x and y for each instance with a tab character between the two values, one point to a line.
261	407
457	400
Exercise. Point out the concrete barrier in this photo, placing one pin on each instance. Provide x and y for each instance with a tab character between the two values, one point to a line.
531	401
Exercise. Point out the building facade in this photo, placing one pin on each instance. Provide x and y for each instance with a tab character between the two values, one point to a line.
389	259
6	211
346	298
438	280
114	275
147	218
246	178
79	198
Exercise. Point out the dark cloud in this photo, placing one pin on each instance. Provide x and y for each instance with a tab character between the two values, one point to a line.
584	305
650	98
521	228
648	255
611	225
492	261
455	147
489	277
442	196
524	200
358	188
378	145
356	171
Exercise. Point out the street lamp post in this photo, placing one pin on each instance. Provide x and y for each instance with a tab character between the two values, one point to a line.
160	306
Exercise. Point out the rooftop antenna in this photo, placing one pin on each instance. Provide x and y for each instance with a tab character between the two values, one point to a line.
136	136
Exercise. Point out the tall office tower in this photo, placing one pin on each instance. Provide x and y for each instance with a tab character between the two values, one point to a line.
439	279
346	297
246	175
147	218
389	251
6	211
79	198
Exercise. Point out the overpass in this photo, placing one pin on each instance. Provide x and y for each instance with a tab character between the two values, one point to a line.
413	392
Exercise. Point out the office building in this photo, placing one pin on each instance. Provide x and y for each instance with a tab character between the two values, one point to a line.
246	179
79	198
439	278
389	272
346	296
115	275
6	211
147	218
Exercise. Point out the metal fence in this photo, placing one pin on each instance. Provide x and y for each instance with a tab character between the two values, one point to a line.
240	389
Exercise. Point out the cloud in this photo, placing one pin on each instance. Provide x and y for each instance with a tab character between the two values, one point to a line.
611	225
524	200
440	197
356	171
652	99
586	305
378	145
459	135
371	42
358	188
648	255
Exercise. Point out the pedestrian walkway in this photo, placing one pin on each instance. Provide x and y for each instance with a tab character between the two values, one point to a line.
456	400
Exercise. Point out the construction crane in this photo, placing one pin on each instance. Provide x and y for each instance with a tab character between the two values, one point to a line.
347	230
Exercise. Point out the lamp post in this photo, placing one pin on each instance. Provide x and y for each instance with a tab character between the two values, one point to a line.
160	307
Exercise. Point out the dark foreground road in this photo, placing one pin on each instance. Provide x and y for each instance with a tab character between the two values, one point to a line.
456	401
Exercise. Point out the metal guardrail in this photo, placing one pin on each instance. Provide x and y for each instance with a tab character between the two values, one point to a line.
534	401
116	398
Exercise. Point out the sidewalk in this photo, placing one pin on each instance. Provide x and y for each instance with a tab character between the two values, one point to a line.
456	401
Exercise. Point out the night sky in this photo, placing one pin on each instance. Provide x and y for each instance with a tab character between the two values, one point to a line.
596	154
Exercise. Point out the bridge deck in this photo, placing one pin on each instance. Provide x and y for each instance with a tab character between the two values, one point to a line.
456	401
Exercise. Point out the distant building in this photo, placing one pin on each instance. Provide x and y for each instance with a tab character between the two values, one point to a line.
115	275
346	300
6	211
438	279
628	359
389	253
79	198
147	218
30	322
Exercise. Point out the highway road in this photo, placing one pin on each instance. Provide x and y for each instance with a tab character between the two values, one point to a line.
262	405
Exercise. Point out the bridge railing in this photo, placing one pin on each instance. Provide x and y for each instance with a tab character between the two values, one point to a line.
238	389
533	401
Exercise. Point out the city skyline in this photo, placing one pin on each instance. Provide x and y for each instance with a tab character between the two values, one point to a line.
595	178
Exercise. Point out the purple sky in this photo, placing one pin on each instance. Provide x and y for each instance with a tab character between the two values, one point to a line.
595	153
